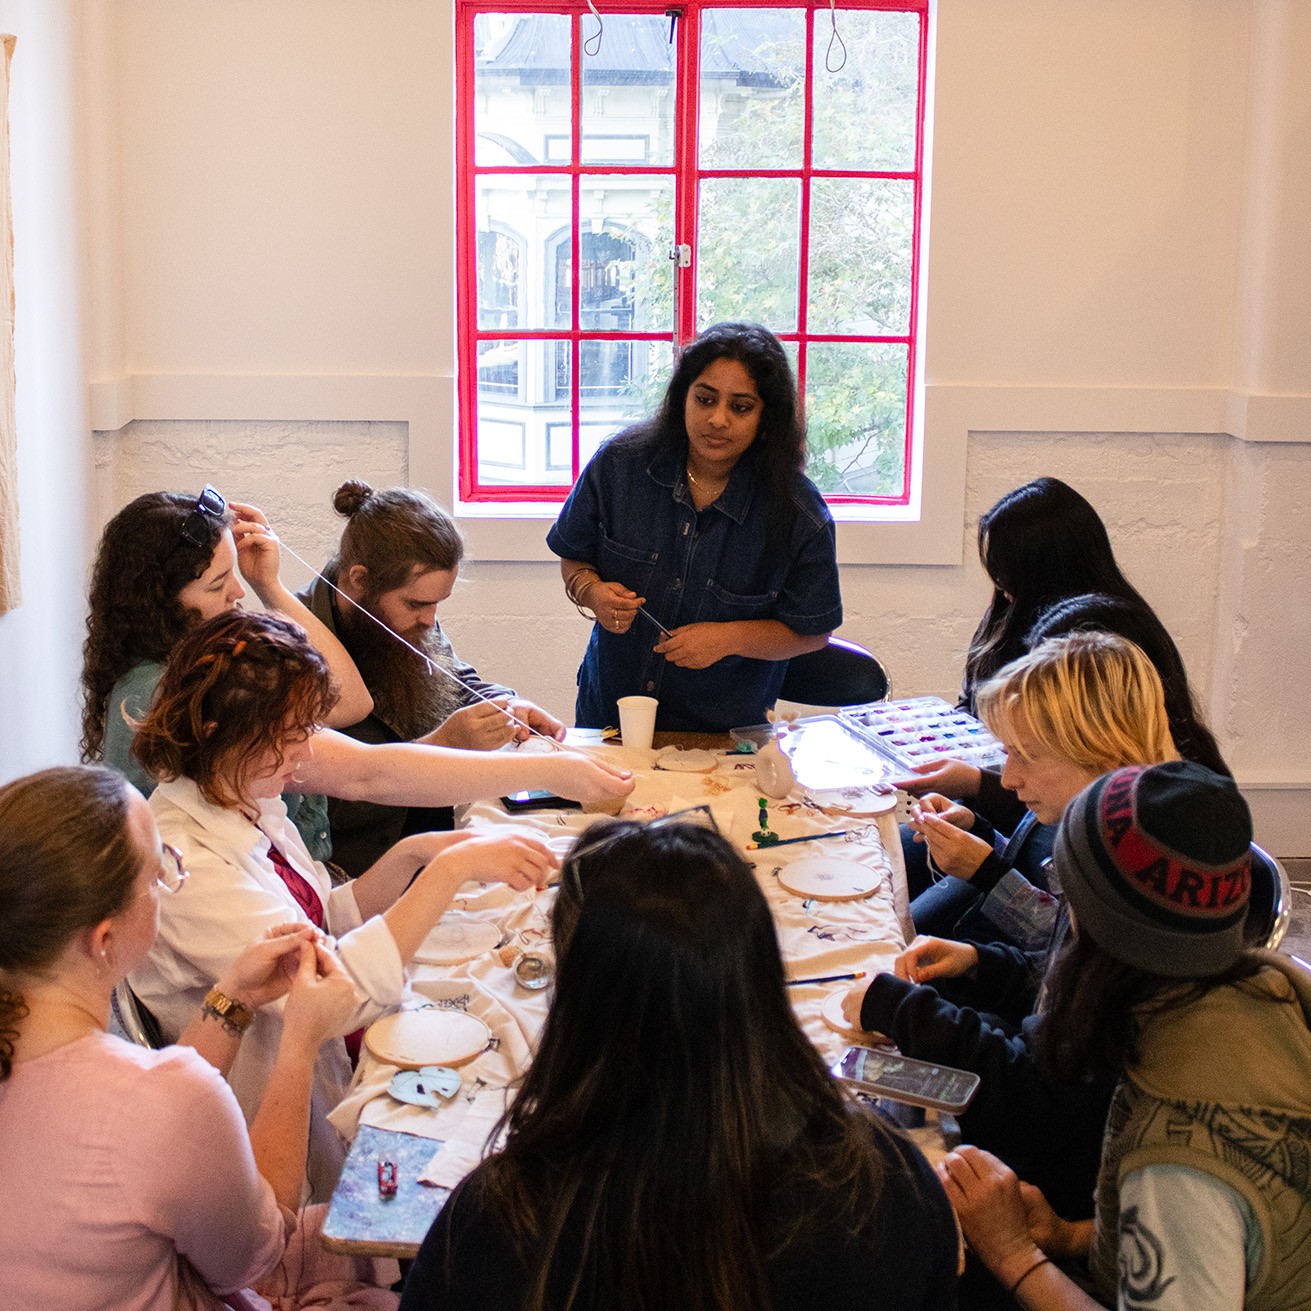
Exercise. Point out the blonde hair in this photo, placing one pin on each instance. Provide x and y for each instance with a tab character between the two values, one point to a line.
1094	699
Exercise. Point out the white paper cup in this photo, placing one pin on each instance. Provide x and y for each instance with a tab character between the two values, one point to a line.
637	715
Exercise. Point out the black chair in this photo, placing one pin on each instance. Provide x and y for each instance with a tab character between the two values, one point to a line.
1270	907
136	1021
839	674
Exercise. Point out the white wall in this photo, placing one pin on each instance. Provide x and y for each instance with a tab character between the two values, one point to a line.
1119	282
40	641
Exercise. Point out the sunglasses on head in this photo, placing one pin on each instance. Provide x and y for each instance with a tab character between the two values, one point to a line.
210	508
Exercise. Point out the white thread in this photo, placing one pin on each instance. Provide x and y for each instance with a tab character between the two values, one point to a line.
427	659
592	45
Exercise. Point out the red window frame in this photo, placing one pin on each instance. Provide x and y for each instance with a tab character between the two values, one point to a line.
687	177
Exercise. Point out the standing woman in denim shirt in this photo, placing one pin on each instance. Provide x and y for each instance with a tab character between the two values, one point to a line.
704	552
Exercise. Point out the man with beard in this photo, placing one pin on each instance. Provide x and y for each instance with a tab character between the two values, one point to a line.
398	560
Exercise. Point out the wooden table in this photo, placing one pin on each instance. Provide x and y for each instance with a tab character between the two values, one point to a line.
816	938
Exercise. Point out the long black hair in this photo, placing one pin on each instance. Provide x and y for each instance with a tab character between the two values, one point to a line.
1135	621
134	614
1097	1008
780	445
1039	543
672	1091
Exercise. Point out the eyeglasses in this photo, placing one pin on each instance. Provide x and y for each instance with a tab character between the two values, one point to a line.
172	872
209	509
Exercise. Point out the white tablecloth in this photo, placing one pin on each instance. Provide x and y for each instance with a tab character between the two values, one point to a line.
816	938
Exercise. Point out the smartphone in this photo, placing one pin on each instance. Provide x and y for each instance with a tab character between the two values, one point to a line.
900	1079
537	799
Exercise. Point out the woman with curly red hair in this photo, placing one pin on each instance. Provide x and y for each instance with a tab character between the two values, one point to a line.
230	727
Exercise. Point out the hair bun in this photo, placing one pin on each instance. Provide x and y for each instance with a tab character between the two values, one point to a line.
350	496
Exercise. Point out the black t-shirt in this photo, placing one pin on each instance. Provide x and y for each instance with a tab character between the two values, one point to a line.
904	1257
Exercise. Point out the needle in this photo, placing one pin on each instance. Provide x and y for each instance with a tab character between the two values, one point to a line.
642	610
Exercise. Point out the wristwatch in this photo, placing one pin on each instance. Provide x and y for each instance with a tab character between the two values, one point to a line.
235	1016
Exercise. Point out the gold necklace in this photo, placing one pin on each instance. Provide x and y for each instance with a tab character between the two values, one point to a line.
696	482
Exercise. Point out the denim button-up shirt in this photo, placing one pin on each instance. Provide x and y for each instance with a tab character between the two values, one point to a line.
631	516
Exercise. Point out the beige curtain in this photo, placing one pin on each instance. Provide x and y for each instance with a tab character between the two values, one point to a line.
10	580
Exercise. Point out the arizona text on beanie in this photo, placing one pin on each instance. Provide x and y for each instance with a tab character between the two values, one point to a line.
1156	864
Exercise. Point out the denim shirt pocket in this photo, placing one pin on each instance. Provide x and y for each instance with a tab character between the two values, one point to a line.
719	605
630	565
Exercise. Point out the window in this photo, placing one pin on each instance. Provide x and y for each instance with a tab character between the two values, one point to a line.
628	181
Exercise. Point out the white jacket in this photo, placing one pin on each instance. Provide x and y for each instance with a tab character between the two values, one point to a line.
233	895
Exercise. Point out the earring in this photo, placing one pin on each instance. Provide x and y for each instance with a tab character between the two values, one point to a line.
105	965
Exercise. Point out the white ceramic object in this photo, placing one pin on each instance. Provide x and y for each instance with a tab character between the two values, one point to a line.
774	776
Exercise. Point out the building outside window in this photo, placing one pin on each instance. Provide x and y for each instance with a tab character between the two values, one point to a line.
625	183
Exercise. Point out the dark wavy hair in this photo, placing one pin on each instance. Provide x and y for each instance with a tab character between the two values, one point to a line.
1097	1008
672	1091
134	614
780	445
67	862
234	688
1040	543
391	531
1097	612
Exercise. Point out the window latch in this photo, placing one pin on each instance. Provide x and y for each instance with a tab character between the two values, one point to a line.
682	254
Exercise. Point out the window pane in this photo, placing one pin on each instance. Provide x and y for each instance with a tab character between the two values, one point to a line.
518	427
617	377
627	279
533	211
749	240
752	74
521	88
865	112
500	369
860	248
502	447
628	90
499	267
650	364
856	417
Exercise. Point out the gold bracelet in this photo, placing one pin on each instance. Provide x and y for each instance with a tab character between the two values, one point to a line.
570	583
576	594
235	1016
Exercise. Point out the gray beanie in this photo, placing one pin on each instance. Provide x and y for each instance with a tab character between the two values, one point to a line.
1156	865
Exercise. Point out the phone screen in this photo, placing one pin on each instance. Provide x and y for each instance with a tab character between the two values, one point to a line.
890	1074
537	799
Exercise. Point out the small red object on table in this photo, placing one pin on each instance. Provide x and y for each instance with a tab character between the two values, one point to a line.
386	1178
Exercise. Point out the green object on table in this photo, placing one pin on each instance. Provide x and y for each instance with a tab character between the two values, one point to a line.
763	837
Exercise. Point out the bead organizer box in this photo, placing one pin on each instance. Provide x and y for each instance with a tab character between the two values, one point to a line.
922	729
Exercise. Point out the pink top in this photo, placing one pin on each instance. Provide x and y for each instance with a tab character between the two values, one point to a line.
115	1160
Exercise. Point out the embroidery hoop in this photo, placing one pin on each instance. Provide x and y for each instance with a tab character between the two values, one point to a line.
410	1040
452	942
825	878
